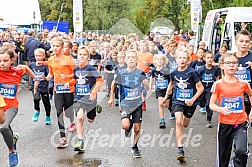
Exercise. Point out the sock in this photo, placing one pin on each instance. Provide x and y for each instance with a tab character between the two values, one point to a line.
180	148
162	120
134	145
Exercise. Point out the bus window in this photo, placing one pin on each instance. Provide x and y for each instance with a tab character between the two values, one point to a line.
238	27
228	36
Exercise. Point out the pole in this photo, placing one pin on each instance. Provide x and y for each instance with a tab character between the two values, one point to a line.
61	9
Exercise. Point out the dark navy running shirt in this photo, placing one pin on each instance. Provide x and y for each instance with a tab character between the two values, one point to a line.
184	85
85	81
162	78
208	76
172	64
40	72
244	71
130	87
110	66
197	65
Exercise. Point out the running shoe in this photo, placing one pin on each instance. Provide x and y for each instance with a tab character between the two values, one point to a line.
35	116
135	152
209	124
107	94
98	108
48	121
162	125
203	110
144	106
72	128
181	156
128	131
13	158
50	97
171	117
79	146
15	139
62	143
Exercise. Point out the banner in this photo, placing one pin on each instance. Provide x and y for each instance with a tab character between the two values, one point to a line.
77	19
195	14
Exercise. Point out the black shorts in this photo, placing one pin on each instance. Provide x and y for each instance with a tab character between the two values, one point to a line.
188	111
89	109
160	93
136	115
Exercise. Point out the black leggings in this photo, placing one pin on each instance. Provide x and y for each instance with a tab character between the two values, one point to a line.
45	99
64	102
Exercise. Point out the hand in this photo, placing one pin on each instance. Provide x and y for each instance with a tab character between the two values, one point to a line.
249	63
49	77
92	96
63	76
111	102
145	82
66	85
38	63
189	102
244	26
224	110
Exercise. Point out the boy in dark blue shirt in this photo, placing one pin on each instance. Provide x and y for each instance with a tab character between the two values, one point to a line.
40	71
131	82
208	74
187	88
88	82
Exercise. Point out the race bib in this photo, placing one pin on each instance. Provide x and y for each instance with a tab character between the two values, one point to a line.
207	78
184	94
161	84
234	104
82	89
61	89
173	66
131	94
8	90
243	75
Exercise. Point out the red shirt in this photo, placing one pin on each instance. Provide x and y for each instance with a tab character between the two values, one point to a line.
9	83
232	96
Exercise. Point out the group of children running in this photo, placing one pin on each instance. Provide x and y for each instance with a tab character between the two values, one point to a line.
180	81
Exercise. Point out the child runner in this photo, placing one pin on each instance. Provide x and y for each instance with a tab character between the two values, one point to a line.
88	82
170	51
2	114
41	71
244	71
10	77
187	87
161	75
233	124
95	58
208	74
61	68
74	50
197	64
130	82
121	65
110	69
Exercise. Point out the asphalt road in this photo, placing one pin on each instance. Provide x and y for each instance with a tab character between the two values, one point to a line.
105	143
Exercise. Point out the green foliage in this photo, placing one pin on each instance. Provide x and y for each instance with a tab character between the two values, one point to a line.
103	14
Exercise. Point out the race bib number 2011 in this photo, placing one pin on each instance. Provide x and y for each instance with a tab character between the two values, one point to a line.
131	94
235	104
8	90
60	88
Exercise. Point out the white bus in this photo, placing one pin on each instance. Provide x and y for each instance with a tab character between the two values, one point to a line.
221	26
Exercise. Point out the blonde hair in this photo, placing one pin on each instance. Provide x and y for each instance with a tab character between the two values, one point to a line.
131	51
39	50
183	50
162	56
56	39
83	48
121	54
223	57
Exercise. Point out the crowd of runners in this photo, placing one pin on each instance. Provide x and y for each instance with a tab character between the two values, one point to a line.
71	72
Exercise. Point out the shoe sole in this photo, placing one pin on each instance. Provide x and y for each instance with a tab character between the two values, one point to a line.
79	150
162	127
61	147
47	123
181	158
134	156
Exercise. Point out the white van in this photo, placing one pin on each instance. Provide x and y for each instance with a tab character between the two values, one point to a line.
216	33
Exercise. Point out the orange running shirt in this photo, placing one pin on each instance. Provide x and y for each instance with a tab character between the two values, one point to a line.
64	66
143	58
9	83
193	57
232	96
